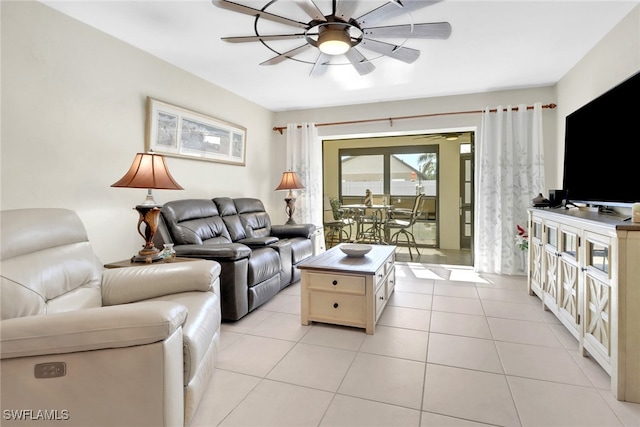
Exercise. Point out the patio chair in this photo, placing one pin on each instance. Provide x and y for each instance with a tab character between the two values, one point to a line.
337	225
401	222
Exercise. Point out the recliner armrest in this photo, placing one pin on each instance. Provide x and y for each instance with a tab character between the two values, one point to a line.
293	230
214	252
90	329
125	285
259	241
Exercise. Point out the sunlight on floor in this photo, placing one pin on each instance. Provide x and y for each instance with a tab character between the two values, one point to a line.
456	273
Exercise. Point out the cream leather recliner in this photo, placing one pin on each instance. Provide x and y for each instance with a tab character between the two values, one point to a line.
87	346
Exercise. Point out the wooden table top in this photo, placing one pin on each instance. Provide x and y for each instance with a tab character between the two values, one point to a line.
336	260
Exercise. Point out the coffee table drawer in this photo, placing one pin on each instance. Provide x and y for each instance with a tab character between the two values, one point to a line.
337	308
336	283
384	269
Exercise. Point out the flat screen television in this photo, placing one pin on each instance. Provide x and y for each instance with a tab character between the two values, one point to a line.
602	148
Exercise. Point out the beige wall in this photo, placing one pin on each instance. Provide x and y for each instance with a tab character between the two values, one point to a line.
73	117
612	61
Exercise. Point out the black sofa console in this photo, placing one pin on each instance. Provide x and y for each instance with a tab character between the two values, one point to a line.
258	259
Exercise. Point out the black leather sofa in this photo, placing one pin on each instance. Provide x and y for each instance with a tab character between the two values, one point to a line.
258	259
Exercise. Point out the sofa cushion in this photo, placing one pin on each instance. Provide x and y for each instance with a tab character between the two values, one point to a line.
263	264
253	217
48	269
195	222
229	215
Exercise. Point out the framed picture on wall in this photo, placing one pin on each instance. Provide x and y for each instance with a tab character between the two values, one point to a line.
178	132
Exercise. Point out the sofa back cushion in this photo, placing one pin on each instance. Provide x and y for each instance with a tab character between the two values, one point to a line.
230	216
253	216
47	264
194	222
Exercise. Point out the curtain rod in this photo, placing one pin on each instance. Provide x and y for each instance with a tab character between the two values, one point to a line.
391	119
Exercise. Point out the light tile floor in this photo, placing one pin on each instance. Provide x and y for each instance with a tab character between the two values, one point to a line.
452	348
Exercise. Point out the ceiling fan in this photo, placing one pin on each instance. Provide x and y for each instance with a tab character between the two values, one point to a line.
339	33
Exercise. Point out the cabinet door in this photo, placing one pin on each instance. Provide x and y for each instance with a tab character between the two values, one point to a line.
597	298
551	254
536	249
568	277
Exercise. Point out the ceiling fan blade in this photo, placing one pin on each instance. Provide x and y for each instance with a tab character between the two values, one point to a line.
433	30
283	56
345	9
311	9
359	61
400	53
392	9
321	65
244	39
229	5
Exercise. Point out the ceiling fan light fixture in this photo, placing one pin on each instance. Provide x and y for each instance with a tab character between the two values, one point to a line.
334	41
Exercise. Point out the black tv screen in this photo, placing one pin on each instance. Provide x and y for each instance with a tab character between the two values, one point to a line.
602	148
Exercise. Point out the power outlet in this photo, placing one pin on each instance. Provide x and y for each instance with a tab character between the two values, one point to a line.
50	370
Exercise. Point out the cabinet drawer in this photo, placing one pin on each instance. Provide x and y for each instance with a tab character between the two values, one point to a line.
381	300
379	277
336	283
337	307
391	282
382	272
389	263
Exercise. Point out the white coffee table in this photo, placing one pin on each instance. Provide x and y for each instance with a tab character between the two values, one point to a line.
347	291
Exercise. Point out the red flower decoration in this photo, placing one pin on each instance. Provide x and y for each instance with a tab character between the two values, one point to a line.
521	231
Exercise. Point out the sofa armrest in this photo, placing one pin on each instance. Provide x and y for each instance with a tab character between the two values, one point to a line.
260	242
293	230
125	285
214	252
90	329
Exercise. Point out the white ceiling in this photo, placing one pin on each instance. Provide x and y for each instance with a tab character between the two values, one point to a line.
494	45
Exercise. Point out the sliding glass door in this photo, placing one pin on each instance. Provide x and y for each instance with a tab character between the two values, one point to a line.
395	175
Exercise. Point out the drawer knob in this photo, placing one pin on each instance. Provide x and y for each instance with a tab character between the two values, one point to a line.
381	298
335	282
335	305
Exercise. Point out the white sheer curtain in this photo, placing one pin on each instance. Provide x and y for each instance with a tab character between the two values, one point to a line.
304	157
510	173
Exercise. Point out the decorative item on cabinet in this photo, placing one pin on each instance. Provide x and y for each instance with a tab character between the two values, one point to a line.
635	212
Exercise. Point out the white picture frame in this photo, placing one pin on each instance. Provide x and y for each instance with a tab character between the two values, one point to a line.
177	132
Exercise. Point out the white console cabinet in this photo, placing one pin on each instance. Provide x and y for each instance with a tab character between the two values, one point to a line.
585	267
